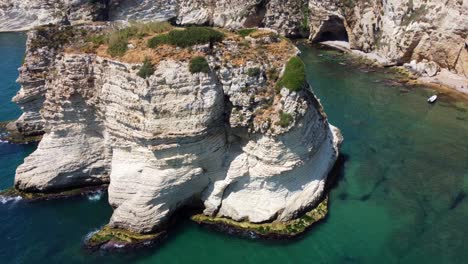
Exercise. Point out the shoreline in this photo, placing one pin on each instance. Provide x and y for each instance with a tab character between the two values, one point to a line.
445	81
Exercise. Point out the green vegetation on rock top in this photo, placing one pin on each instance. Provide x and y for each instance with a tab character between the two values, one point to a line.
199	64
146	69
294	76
285	119
246	31
188	37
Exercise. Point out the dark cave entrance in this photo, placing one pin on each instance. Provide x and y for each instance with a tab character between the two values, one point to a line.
255	19
332	29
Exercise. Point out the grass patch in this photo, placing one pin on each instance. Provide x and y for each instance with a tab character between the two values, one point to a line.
294	76
141	30
118	40
158	40
118	45
199	64
146	69
188	37
287	229
246	31
285	120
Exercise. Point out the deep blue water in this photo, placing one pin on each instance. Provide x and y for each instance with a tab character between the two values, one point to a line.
400	198
11	54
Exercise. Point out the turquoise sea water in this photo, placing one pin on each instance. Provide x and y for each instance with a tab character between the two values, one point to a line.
400	196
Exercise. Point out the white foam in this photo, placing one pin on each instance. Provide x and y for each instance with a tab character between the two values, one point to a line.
95	196
4	200
90	234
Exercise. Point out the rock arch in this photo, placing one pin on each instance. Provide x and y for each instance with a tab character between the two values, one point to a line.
331	29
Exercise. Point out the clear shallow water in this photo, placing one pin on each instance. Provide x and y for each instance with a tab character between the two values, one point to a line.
400	197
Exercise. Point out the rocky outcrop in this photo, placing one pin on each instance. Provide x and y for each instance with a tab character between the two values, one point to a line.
177	136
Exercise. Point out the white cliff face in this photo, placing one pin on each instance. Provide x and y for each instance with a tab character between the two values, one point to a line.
168	140
73	153
142	10
18	15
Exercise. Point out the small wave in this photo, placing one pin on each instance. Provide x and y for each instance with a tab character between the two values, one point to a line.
95	196
90	234
4	200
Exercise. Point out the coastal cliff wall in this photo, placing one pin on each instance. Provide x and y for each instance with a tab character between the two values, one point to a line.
248	149
398	31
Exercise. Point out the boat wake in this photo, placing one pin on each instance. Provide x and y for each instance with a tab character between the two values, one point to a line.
5	200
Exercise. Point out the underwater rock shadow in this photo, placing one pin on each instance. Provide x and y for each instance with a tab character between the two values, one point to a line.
337	174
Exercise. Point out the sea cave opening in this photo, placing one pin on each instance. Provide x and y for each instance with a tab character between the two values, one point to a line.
332	30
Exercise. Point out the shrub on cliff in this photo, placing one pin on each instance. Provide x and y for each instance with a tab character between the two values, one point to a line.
118	45
188	37
294	75
199	64
158	40
146	69
285	119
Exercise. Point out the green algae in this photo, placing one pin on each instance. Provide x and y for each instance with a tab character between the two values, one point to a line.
291	228
40	196
119	236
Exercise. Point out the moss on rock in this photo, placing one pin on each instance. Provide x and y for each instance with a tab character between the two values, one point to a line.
114	238
38	196
287	229
294	77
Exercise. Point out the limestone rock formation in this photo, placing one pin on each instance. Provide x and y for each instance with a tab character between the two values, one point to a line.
400	31
177	136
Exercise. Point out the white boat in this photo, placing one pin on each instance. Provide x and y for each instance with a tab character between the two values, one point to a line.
432	99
